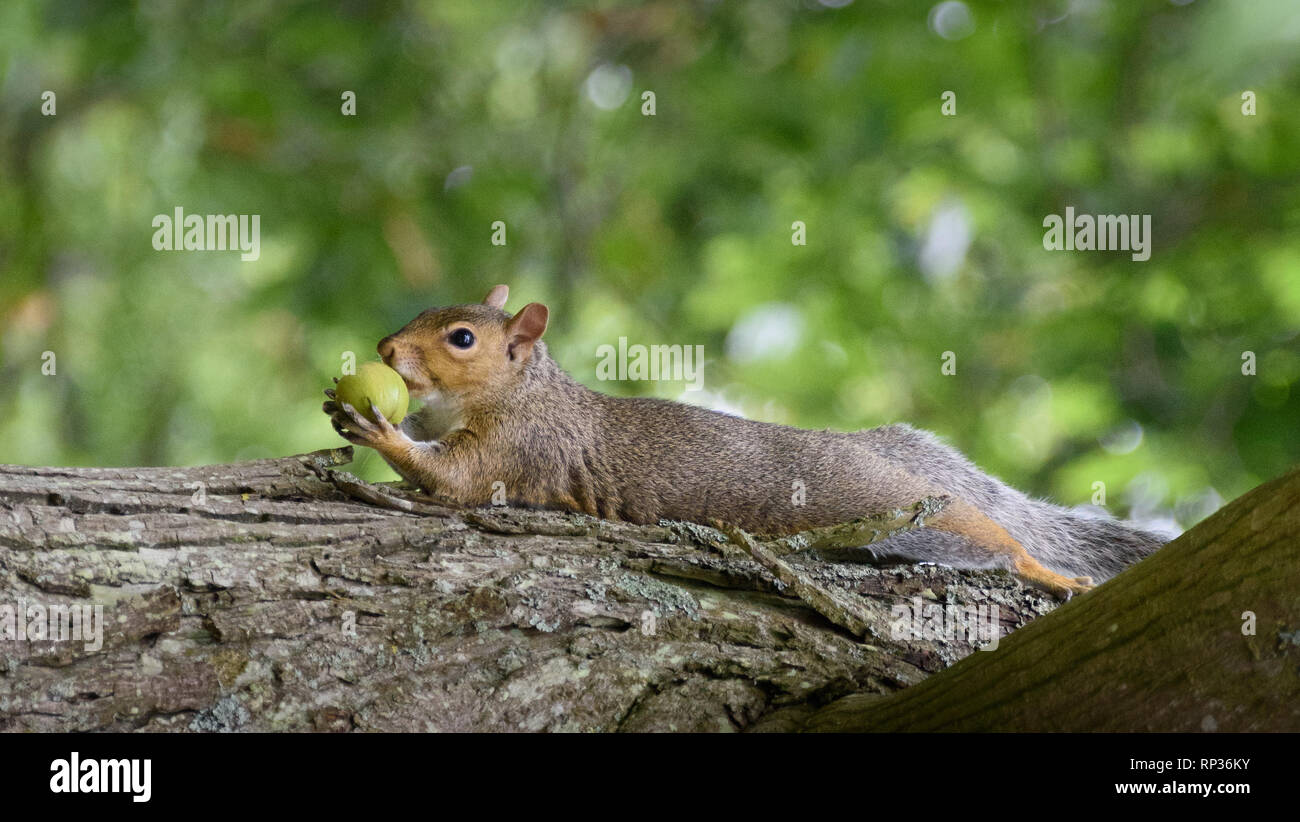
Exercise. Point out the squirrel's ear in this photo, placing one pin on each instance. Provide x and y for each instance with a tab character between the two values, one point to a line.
497	296
524	329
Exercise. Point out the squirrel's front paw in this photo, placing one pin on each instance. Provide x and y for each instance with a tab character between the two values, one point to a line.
354	427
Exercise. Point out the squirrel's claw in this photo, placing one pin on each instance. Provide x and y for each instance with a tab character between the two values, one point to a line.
358	429
356	421
341	423
1031	570
346	434
1074	586
350	425
385	427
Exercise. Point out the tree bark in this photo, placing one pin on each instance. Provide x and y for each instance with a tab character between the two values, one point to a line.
285	595
1202	636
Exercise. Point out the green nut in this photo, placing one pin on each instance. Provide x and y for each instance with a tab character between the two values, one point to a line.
375	383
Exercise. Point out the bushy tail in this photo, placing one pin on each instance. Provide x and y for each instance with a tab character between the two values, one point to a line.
1098	546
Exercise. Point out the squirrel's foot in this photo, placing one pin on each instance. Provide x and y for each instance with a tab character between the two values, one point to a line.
1031	570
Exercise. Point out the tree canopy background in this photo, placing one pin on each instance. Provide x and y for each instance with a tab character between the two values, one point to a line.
924	231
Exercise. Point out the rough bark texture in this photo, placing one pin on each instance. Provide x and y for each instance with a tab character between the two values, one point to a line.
285	595
1169	645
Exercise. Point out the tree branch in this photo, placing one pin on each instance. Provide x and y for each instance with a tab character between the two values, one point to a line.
1204	635
286	595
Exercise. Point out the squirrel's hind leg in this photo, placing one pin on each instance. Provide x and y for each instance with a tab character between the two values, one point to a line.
962	536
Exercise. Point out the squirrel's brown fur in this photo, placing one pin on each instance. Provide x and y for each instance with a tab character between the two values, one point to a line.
501	415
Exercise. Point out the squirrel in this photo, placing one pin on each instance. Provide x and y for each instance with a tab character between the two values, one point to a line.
498	410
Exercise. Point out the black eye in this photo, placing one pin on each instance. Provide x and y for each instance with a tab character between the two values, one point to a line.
461	338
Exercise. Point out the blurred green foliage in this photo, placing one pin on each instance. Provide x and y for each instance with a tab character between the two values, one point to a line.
924	231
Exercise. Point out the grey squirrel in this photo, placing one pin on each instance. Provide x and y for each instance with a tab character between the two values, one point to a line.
498	409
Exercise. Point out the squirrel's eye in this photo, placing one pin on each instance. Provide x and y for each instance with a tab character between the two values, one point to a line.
461	338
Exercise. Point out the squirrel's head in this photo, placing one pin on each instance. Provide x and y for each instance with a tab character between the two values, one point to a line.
464	349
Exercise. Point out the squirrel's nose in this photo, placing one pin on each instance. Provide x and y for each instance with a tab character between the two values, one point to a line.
386	349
